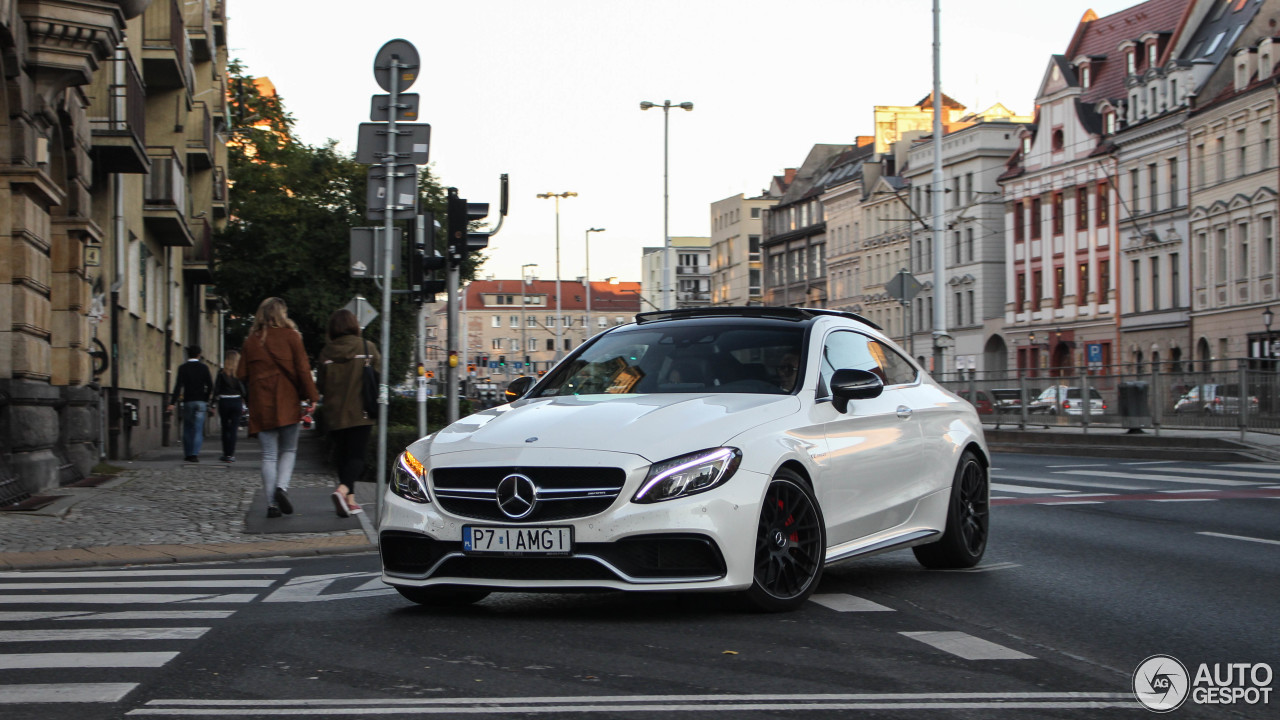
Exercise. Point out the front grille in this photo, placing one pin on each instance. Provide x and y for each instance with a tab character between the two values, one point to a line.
646	557
563	492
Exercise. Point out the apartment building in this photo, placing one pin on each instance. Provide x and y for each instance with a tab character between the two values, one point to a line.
736	266
1233	191
1062	204
509	327
795	236
110	187
691	268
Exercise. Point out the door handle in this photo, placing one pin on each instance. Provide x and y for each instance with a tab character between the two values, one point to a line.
904	412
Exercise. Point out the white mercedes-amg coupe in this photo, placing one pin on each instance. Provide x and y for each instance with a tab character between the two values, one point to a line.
708	449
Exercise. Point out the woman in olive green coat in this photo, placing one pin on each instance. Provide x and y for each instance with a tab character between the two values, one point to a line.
340	380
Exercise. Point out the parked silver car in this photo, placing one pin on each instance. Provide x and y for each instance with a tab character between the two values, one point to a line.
1213	399
1066	400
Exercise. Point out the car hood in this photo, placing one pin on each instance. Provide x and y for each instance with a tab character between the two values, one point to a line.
654	427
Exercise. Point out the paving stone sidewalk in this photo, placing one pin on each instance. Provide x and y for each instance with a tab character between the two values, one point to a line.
162	509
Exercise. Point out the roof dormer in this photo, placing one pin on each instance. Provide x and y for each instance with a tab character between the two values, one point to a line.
1243	66
1087	68
1129	50
1267	49
1151	45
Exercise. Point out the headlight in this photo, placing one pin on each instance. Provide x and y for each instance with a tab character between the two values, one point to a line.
409	479
688	474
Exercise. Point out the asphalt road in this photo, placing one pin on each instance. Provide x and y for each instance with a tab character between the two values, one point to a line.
1094	566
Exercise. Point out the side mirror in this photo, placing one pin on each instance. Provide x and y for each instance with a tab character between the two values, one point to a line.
850	384
518	388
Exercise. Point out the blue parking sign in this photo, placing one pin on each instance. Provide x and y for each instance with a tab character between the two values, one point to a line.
1095	352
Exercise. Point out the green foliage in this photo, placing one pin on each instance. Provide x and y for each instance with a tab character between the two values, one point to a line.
292	209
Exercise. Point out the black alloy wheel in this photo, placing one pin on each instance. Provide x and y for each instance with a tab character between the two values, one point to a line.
790	545
964	541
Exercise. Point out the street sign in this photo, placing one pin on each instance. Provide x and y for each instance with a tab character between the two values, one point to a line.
404	53
413	141
493	364
406	193
367	252
903	286
380	108
363	311
1095	352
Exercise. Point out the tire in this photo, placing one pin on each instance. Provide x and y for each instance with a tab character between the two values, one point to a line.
964	540
442	596
790	549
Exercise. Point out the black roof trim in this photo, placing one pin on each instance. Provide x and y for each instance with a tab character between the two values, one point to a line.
755	311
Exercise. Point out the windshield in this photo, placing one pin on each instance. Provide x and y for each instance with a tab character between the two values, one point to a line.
683	358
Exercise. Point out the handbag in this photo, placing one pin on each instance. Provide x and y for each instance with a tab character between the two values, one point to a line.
369	385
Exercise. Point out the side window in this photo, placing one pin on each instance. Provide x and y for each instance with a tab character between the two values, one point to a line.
846	349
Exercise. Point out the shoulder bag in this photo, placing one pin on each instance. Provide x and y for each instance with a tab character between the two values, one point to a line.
369	385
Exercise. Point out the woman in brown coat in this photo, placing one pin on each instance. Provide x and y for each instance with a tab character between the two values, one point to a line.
274	365
340	376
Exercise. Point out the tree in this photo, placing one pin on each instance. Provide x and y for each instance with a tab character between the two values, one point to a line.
292	207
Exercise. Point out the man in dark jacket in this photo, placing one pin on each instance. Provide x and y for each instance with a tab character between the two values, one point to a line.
194	387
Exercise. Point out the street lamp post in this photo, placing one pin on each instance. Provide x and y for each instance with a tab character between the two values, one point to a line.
559	321
524	304
1267	317
666	231
588	280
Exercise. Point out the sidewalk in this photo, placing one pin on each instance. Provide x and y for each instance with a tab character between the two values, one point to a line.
1200	444
162	509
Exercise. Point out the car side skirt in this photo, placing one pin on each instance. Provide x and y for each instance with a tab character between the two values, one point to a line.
879	544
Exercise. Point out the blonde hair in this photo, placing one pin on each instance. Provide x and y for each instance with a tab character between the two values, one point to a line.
271	313
230	362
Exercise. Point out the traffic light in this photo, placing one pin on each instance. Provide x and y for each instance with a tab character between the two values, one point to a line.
484	361
461	240
424	261
502	361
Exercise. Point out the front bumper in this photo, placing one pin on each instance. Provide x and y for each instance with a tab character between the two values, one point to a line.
702	542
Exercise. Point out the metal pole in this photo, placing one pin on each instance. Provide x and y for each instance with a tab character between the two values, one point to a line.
666	231
586	283
939	197
421	351
451	287
388	229
559	320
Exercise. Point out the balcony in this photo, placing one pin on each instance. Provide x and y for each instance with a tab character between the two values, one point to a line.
164	207
118	117
219	192
166	63
199	137
693	269
199	21
197	260
219	21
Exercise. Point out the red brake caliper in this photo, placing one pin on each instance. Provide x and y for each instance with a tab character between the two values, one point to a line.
794	536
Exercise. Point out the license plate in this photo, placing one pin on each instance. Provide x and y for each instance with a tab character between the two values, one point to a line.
556	540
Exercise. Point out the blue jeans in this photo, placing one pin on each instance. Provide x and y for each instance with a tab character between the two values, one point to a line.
193	412
279	452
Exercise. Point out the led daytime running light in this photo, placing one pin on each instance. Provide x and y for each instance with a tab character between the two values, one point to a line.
726	457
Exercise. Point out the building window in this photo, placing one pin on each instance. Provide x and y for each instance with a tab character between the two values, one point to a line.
1137	286
1086	76
514	321
959	309
1019	220
968	244
1222	159
1221	274
1175	277
1135	207
1104	281
1057	210
1059	285
1173	182
1037	288
1268	247
755	213
1057	139
1082	208
1020	292
1151	55
1242	244
497	321
969	304
955	237
1103	203
1082	284
1200	166
1155	282
496	344
1131	62
1202	266
1153	185
1035	218
1265	128
1242	153
551	344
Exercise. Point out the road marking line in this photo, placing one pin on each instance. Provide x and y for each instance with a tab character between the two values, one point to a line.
1240	537
1228	473
848	603
1161	478
122	599
594	699
85	660
983	568
1183	499
1079	465
1075	502
966	646
1057	480
144	585
1150	462
83	634
64	692
1272	487
1175	492
1002	487
137	573
20	616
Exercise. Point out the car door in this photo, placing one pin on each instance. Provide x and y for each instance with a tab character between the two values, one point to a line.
871	462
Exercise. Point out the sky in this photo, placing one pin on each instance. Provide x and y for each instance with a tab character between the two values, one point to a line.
550	95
